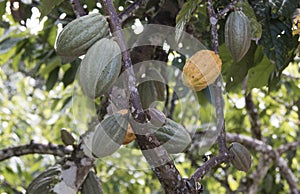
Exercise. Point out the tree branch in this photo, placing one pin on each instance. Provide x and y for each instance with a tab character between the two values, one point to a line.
289	146
34	148
263	166
131	9
156	156
217	86
260	146
223	156
210	164
254	118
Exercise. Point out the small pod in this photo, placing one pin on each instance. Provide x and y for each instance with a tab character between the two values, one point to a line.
241	156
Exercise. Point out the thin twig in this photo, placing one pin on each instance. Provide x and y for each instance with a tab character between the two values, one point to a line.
172	106
229	7
254	117
289	146
34	148
264	164
77	8
210	164
129	11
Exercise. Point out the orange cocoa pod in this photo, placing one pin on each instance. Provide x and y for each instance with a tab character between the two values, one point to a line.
130	136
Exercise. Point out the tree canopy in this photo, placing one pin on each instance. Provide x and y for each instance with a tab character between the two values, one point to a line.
48	122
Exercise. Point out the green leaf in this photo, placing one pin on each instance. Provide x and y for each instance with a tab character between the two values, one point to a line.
49	33
276	30
237	72
4	24
52	79
16	60
8	43
284	8
70	74
2	7
51	65
66	7
47	6
184	16
279	43
258	76
204	96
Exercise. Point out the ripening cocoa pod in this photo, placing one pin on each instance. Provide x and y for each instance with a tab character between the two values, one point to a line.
201	70
237	35
241	156
130	136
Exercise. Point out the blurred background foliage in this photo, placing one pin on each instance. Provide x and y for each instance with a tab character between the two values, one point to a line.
36	89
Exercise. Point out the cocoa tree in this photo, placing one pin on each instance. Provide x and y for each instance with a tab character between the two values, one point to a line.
57	136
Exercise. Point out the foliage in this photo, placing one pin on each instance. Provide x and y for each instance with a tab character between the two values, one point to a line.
36	89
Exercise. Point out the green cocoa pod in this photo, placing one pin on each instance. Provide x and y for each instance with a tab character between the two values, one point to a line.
173	137
45	181
237	35
80	34
156	117
100	67
241	156
91	185
109	135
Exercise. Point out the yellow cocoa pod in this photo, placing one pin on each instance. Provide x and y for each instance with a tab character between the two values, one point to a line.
201	70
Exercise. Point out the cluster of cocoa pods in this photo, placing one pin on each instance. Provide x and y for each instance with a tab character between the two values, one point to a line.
99	69
101	65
